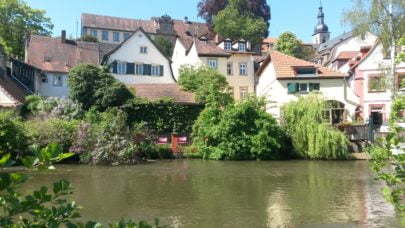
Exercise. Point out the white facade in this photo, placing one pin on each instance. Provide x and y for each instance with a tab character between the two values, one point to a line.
53	85
140	50
5	99
275	91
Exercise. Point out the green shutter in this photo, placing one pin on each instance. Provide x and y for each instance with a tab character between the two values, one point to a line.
147	69
292	88
130	68
313	86
161	70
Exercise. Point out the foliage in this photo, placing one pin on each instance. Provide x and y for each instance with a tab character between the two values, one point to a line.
18	21
91	85
43	208
54	130
207	9
165	45
235	22
289	44
208	85
159	152
401	55
311	137
374	16
89	38
241	131
388	158
51	107
12	134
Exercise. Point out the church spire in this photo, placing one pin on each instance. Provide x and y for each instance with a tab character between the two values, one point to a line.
321	31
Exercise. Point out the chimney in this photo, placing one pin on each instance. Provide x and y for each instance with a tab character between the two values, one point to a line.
63	36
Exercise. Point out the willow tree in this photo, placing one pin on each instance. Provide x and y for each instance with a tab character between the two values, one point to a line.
312	137
385	19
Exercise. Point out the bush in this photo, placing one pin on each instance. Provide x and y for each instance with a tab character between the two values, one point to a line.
91	85
13	139
44	132
159	152
242	131
311	136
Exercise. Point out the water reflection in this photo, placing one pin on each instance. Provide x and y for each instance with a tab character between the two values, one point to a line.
230	194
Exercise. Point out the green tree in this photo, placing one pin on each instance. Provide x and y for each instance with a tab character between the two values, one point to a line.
385	19
235	22
91	85
208	85
17	21
311	136
165	45
12	135
89	38
289	44
240	131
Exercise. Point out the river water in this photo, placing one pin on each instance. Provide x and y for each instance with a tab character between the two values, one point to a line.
195	193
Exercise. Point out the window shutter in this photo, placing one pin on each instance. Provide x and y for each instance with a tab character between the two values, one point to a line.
161	70
291	88
130	68
147	69
114	67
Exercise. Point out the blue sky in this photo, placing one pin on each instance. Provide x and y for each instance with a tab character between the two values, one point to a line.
298	16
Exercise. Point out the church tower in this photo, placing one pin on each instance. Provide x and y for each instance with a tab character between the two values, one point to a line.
321	32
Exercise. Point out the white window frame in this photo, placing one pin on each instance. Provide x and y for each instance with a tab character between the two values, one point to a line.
116	36
243	69
104	32
126	35
143	50
121	68
228	45
155	70
57	81
243	92
213	63
242	46
138	68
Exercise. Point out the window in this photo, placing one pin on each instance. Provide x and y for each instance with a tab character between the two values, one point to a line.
243	69
139	69
213	63
144	50
93	32
104	35
306	71
314	87
57	80
228	45
126	35
303	87
116	36
242	46
121	67
157	70
44	78
243	92
229	69
376	83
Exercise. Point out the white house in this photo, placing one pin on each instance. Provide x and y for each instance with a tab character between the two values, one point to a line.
282	78
372	84
138	60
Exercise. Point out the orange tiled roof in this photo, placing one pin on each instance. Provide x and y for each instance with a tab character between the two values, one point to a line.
345	55
158	91
285	65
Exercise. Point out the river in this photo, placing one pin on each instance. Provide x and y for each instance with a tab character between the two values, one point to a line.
195	193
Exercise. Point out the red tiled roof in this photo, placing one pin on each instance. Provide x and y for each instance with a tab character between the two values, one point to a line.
270	40
209	48
346	55
158	91
116	23
187	31
285	66
12	89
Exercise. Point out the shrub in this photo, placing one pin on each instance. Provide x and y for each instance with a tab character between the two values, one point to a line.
50	131
13	139
91	85
311	136
159	152
242	131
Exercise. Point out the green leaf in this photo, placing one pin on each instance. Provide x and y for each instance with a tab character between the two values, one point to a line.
4	159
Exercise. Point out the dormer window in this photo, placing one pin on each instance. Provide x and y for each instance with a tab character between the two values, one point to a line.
306	71
242	46
227	45
204	39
